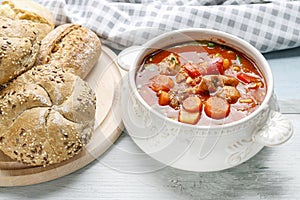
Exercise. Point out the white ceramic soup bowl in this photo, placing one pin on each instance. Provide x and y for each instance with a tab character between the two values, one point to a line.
194	147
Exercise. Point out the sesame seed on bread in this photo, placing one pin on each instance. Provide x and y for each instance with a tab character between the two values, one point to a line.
19	46
47	116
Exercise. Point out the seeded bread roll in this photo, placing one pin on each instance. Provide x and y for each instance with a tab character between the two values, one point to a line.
74	48
19	45
47	116
29	11
23	24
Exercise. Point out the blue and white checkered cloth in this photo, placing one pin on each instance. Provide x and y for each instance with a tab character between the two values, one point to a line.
267	25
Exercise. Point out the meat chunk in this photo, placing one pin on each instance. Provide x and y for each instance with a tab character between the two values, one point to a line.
178	94
174	103
188	70
229	80
229	93
211	83
169	65
181	76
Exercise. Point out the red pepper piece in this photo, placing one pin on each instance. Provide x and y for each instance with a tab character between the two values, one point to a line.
247	78
192	70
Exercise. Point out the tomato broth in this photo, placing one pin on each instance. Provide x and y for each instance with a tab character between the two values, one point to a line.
201	82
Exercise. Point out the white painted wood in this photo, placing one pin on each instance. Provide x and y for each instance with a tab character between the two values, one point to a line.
124	172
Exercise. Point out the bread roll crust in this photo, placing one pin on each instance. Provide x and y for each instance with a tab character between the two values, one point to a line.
23	24
74	48
44	123
27	10
47	113
19	46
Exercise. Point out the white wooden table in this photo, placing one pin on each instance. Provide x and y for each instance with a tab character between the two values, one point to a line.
124	172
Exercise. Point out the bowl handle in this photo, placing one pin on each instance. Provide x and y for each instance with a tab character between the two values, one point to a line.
277	130
126	57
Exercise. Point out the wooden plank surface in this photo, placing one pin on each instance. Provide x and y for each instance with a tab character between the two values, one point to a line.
124	172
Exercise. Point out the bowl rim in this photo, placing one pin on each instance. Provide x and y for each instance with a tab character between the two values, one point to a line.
223	36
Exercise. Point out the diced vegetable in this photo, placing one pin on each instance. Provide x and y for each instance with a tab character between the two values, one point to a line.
211	44
226	63
255	85
217	55
190	81
192	70
236	68
192	104
219	65
188	117
247	78
252	86
161	82
260	84
217	108
163	98
238	60
246	100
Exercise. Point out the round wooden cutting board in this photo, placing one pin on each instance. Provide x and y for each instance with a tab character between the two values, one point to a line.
105	79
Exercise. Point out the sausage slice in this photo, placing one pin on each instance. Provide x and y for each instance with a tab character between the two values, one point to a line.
192	104
161	82
217	108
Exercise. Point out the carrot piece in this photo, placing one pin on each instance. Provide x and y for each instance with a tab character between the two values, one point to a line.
216	108
163	98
